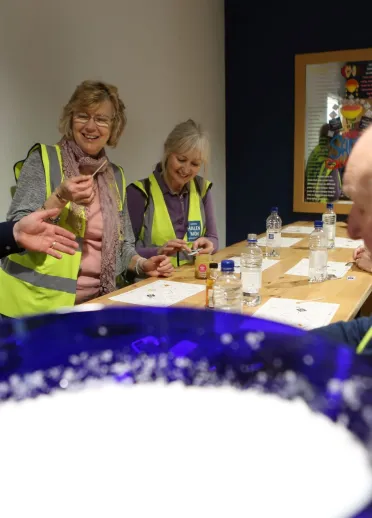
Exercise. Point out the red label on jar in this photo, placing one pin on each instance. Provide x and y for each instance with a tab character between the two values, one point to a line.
202	268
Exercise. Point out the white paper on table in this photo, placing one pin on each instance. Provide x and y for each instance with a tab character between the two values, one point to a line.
334	268
159	293
306	315
345	242
286	242
266	263
293	229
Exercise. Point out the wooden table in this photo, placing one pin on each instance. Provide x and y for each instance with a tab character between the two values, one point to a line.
349	294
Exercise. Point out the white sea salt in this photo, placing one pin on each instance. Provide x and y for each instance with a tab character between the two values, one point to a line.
169	451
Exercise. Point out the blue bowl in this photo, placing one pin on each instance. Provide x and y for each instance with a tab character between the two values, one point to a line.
61	350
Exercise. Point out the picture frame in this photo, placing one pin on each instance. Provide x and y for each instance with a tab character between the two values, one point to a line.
333	106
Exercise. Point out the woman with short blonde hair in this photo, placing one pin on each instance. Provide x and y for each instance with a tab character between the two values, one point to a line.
172	210
77	177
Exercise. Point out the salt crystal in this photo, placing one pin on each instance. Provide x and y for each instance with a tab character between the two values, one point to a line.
175	451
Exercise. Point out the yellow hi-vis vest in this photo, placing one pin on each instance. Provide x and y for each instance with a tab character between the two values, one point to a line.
365	341
34	282
157	227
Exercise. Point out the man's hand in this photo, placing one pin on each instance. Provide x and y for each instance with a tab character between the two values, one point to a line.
359	252
158	266
37	235
363	259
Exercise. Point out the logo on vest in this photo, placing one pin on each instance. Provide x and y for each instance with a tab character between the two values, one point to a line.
193	230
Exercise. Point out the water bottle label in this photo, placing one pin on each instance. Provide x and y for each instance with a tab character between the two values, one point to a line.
251	282
330	229
273	239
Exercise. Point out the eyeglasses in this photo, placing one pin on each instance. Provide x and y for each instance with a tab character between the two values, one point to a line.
99	120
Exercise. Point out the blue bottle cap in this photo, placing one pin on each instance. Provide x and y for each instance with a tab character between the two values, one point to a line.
318	224
227	265
274	209
329	205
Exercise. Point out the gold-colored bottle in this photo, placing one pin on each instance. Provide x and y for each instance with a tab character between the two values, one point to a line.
202	266
212	276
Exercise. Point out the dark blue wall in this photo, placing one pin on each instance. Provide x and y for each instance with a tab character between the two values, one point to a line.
261	43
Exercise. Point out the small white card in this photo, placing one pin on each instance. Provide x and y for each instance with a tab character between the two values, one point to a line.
306	315
266	263
345	242
159	293
293	229
286	242
335	268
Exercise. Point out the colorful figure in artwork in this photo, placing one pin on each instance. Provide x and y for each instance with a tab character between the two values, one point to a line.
350	72
351	113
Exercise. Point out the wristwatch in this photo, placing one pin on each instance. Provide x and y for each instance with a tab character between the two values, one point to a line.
60	197
55	221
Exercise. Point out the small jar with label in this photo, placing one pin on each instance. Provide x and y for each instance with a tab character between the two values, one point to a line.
202	266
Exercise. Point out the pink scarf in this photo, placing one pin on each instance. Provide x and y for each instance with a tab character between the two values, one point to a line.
73	159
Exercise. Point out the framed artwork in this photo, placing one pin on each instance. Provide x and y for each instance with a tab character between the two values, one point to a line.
333	106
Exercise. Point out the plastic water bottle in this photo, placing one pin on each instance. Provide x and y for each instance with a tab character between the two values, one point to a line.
318	254
227	289
329	225
251	272
273	233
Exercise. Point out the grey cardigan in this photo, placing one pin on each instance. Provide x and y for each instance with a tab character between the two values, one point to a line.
30	196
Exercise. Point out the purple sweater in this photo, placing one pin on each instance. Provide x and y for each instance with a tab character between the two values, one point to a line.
178	208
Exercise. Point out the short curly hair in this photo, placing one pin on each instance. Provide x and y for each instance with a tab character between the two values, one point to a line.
93	93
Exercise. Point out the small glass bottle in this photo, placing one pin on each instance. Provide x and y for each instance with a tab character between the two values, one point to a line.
212	276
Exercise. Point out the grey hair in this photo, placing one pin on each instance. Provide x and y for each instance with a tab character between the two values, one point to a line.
185	137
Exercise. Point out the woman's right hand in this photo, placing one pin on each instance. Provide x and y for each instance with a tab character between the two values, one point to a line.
173	246
78	189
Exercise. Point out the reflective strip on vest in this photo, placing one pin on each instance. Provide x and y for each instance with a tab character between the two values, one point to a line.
38	279
365	341
34	282
52	161
120	182
55	166
157	226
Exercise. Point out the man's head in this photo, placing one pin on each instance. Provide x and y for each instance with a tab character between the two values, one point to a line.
358	187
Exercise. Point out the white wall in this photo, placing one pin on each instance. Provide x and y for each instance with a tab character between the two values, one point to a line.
165	56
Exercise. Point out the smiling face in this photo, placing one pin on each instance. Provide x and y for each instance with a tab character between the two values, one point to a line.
181	168
91	127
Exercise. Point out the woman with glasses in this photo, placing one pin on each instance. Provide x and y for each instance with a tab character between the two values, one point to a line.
76	177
